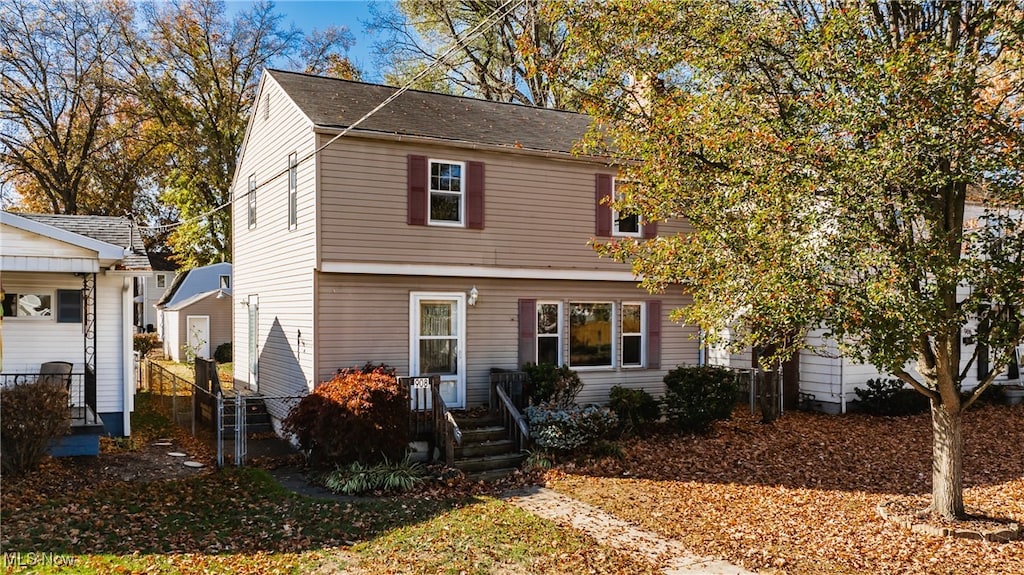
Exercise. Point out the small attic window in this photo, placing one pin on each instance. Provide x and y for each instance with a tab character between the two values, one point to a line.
266	106
225	282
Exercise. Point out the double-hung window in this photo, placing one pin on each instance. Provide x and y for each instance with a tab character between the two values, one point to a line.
549	333
251	196
632	335
161	281
447	200
623	224
591	334
293	191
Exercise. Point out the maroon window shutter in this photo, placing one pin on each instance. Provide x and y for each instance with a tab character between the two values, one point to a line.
603	189
527	331
475	195
653	334
650	230
417	209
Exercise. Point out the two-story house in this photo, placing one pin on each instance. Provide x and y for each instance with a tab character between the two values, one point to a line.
442	235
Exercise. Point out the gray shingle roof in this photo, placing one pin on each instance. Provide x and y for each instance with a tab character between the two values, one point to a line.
110	229
335	103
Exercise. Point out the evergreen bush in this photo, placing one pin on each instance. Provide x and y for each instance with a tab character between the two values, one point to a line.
696	397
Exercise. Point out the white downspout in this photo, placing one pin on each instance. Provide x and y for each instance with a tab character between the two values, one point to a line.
842	385
127	346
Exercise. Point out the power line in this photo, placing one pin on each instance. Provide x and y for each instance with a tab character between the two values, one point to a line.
471	34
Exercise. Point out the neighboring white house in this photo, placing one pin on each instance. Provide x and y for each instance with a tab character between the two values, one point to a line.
67	284
148	291
828	380
186	319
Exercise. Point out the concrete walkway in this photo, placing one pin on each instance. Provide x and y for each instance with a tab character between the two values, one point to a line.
668	554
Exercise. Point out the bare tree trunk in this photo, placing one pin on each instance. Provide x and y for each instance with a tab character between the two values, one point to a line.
947	462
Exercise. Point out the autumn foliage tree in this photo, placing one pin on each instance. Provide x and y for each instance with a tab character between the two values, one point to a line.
828	157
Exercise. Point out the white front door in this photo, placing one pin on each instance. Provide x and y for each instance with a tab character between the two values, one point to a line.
197	330
437	342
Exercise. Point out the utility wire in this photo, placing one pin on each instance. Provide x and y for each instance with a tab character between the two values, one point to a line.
471	34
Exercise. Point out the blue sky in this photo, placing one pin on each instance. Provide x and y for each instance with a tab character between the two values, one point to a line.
309	14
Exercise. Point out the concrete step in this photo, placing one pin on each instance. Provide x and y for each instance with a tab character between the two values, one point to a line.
489	462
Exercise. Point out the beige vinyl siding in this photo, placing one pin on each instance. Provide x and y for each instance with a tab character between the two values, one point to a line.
538	212
28	343
366	318
219	312
270	260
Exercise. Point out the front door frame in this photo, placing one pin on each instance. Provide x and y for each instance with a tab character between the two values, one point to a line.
459	299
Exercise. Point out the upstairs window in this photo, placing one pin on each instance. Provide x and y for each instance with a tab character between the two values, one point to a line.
252	201
445	193
447	202
225	282
624	224
161	280
293	191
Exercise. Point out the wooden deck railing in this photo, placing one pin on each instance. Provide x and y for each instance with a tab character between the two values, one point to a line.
430	417
508	391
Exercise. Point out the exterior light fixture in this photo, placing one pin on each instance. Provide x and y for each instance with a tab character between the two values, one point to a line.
473	295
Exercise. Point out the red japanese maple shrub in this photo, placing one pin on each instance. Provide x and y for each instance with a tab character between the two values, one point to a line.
356	416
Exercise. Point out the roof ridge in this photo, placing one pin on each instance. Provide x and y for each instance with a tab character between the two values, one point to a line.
428	92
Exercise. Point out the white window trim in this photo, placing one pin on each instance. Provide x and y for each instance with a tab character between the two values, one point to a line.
161	278
251	202
462	193
560	335
53	305
642	333
293	191
613	322
414	337
224	282
639	233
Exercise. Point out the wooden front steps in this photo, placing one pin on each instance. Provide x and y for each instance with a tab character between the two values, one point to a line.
486	452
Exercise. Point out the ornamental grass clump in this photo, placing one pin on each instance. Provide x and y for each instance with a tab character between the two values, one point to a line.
359	415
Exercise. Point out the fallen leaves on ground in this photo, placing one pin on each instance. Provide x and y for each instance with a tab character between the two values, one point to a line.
800	496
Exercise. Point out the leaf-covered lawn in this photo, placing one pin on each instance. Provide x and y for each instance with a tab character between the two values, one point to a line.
240	521
75	516
799	496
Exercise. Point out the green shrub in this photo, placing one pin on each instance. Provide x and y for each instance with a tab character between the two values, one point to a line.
145	343
635	408
566	428
356	416
356	478
34	415
696	397
223	353
889	397
552	384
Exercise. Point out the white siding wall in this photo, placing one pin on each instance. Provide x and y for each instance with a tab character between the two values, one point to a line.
270	260
28	343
